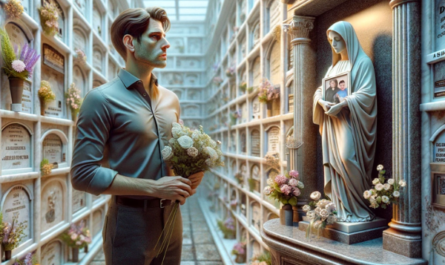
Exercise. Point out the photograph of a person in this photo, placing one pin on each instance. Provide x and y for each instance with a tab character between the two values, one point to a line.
335	89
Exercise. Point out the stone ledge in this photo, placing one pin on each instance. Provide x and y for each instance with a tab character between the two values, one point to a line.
290	242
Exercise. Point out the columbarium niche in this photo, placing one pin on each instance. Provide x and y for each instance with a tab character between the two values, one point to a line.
97	20
80	80
16	146
98	219
255	142
255	178
53	200
54	148
242	142
98	59
52	253
255	216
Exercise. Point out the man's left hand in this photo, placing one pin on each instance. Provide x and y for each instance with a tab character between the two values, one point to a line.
196	179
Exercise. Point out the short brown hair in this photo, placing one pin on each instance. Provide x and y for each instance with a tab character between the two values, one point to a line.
134	21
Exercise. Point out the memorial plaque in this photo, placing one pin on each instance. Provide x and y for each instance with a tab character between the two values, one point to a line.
439	79
256	72
233	141
255	221
194	94
97	222
255	174
273	140
52	253
53	150
80	80
80	39
440	24
192	79
52	205
243	48
244	113
256	35
439	149
274	14
53	69
79	200
16	147
275	64
17	205
194	45
81	6
243	142
97	60
255	143
97	20
256	109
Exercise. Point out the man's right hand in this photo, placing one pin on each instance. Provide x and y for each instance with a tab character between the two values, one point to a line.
325	104
174	188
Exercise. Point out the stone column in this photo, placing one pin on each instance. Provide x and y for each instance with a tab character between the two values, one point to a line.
404	235
302	147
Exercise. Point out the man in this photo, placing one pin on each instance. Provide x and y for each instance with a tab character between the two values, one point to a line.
131	117
342	92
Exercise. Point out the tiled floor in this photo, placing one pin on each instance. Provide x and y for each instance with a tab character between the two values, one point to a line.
198	246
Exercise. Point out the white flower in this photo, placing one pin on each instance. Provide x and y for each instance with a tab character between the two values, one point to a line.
310	215
366	194
267	191
316	195
209	162
386	186
385	199
176	125
300	185
402	183
331	219
330	207
185	142
293	182
376	181
322	203
172	141
218	142
270	182
379	187
306	208
167	153
177	132
211	152
396	194
324	214
196	134
391	181
379	167
212	144
192	151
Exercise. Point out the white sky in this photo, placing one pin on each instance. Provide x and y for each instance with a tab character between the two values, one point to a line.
181	9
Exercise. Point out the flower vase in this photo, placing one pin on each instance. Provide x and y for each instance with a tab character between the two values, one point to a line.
16	86
295	216
276	107
7	255
74	116
42	107
75	253
286	215
86	249
269	108
240	258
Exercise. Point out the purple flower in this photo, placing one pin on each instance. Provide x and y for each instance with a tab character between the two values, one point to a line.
294	174
296	192
280	179
286	189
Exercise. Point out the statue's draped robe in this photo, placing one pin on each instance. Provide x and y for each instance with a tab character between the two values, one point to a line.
349	141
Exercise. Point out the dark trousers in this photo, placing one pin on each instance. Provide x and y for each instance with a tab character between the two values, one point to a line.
130	235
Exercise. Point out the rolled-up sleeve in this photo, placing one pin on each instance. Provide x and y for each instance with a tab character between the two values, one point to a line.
93	129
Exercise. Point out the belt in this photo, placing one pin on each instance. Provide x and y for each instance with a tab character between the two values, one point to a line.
151	203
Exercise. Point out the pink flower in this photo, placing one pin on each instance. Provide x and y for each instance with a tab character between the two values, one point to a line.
18	66
280	179
293	182
286	189
296	191
294	174
181	122
74	236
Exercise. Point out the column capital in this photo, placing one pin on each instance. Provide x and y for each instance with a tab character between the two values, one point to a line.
299	29
394	3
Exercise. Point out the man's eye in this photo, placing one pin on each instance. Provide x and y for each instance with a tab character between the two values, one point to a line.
156	37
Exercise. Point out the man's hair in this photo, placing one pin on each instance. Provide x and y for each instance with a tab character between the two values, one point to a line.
134	21
342	82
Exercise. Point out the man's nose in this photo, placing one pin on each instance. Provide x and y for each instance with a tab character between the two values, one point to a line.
166	45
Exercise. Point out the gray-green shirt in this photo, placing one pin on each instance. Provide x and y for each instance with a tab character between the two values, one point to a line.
117	126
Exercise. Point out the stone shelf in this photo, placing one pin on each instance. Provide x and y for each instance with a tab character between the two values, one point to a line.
290	243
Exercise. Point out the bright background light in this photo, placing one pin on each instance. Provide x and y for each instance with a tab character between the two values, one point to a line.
191	10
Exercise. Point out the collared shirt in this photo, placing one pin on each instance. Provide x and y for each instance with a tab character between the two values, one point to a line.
119	126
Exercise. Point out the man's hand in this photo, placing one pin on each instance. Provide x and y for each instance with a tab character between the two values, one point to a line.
196	179
325	104
173	188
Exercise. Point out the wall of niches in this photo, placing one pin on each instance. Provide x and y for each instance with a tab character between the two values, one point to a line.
248	40
48	204
185	73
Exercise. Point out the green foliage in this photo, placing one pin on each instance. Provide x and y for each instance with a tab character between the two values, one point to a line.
228	233
15	235
9	56
265	256
252	184
44	162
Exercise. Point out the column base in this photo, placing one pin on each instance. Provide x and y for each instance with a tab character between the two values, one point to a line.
409	245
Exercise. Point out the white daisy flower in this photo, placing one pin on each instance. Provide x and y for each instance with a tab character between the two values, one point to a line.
306	208
293	182
376	181
211	152
402	183
316	195
310	215
379	167
267	191
366	194
379	187
386	186
385	199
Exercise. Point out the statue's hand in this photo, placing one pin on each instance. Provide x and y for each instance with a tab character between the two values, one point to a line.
334	110
325	104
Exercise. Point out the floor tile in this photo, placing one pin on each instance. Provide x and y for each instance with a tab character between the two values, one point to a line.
207	252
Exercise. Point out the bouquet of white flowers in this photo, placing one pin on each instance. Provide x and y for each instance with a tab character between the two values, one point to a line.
320	212
188	152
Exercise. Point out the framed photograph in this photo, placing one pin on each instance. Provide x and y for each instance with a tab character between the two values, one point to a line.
336	88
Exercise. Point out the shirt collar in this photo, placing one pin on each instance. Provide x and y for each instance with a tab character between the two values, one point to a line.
128	79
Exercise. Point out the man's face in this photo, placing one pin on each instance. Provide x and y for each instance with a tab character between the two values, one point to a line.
342	86
152	48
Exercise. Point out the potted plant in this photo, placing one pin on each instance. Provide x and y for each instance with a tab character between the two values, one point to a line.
239	250
45	167
46	95
230	71
80	56
49	16
77	237
243	86
73	100
262	259
18	66
234	116
28	259
286	189
12	235
14	9
252	184
320	213
239	177
227	228
268	94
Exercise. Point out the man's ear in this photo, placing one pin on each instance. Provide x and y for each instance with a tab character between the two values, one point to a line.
128	42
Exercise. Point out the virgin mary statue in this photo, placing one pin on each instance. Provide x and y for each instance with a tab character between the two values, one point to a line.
348	129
